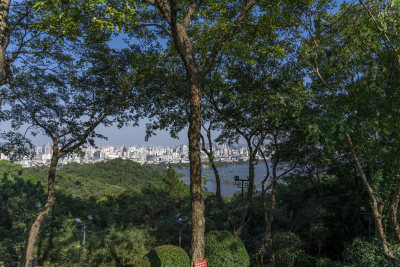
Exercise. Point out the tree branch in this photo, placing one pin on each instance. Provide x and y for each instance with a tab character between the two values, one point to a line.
383	32
82	137
189	14
20	19
163	7
154	25
218	46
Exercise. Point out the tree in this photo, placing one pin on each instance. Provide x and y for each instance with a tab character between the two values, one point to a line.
199	31
67	104
353	72
18	36
7	26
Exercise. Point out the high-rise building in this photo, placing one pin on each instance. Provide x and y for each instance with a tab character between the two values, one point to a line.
39	150
48	149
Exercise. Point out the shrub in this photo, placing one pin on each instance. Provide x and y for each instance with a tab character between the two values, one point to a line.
128	246
363	253
283	249
222	248
165	256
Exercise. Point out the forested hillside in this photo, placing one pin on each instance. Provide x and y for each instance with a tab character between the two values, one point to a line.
131	215
313	226
310	87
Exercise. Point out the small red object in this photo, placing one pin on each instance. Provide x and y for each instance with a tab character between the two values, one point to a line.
202	263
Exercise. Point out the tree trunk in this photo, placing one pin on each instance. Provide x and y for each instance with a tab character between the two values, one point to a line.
272	209
4	32
221	200
265	212
184	48
374	203
395	205
197	209
51	199
4	41
249	196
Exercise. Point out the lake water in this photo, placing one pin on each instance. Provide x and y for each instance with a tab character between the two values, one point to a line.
228	173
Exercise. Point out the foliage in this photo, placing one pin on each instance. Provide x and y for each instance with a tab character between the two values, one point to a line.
363	253
304	72
225	249
18	202
164	256
283	249
120	233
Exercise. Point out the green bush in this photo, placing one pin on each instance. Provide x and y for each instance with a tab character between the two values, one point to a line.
283	249
128	246
364	253
222	248
165	256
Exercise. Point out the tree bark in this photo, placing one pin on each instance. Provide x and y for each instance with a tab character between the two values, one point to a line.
250	190
4	41
51	199
395	205
197	208
4	32
374	203
272	209
184	47
221	202
195	77
263	193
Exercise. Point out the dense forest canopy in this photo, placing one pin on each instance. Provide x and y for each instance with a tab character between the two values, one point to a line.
311	87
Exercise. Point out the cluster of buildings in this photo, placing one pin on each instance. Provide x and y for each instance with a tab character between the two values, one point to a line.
137	153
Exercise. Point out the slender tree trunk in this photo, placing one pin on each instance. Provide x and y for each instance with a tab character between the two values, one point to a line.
210	155
265	211
221	200
263	193
272	209
4	41
197	209
395	205
184	48
374	203
249	196
51	199
250	190
4	32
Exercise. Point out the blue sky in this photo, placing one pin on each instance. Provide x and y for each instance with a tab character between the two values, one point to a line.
128	135
123	136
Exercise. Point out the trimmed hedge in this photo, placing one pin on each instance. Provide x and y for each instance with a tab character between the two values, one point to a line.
225	249
165	256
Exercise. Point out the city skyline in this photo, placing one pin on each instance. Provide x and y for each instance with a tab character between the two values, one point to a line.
142	154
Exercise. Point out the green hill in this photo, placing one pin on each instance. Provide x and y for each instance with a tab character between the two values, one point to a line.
133	208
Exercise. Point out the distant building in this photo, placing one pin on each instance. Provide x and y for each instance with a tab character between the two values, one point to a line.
3	157
97	154
47	149
39	150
